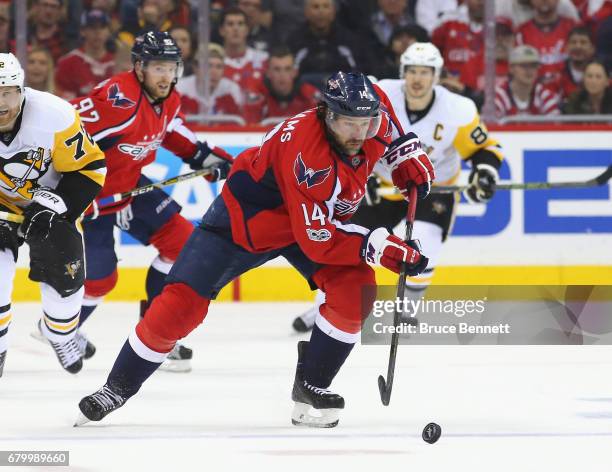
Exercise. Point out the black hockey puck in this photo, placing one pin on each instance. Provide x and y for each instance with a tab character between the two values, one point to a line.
431	433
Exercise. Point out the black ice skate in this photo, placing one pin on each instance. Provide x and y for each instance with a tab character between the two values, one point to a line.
305	322
314	407
67	353
96	406
86	348
179	359
2	360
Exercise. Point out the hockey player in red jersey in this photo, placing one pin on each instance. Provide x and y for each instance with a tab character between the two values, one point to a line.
129	116
290	197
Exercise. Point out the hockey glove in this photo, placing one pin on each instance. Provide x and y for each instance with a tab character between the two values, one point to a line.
409	165
482	182
388	250
371	196
46	209
216	159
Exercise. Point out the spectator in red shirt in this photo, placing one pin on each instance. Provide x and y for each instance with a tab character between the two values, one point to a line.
225	95
39	70
523	94
243	64
547	31
279	95
45	29
83	68
472	73
109	7
580	50
459	35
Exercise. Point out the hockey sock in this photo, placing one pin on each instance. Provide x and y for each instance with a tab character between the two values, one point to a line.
324	357
155	281
86	310
130	371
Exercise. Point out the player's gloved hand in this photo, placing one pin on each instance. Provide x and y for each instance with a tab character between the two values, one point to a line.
216	159
409	165
46	209
371	196
482	182
388	250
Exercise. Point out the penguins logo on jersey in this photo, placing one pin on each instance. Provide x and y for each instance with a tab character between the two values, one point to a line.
19	173
72	268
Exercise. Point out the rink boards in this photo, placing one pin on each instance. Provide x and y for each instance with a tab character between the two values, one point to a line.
532	237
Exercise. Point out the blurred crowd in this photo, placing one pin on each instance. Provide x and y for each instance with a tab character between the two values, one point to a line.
267	59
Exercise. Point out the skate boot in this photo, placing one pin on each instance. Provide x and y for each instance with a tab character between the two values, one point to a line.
314	407
179	359
96	406
86	348
2	360
67	353
306	321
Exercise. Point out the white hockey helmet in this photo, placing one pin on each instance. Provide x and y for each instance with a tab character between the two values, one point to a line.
421	54
11	72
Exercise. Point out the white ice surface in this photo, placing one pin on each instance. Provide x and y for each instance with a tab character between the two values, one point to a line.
544	409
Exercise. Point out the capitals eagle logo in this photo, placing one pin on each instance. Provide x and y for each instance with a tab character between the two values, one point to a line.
119	100
306	174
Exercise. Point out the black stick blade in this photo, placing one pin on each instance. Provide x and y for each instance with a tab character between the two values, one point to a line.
384	393
605	176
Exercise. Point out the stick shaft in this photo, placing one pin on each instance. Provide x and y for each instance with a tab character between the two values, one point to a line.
401	287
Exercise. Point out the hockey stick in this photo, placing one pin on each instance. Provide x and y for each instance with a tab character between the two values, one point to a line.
117	197
108	201
601	179
386	386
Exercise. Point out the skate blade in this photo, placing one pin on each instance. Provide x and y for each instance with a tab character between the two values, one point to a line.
302	416
81	420
176	366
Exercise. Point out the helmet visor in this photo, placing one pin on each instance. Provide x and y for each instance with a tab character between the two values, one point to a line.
164	69
353	127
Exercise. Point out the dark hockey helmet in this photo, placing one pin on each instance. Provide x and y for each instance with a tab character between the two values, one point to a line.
351	94
157	46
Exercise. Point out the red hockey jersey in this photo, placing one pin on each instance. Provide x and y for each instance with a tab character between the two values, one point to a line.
77	73
296	188
458	39
261	103
129	129
550	41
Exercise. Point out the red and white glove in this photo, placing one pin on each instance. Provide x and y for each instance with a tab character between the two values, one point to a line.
409	165
388	250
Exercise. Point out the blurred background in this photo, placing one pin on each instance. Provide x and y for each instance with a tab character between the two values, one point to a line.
538	70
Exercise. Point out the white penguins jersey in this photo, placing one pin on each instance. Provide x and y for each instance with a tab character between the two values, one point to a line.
49	140
450	131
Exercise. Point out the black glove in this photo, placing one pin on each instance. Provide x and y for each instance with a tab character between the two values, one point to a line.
482	182
371	196
215	159
46	209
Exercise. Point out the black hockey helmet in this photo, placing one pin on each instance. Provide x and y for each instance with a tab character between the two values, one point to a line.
157	46
351	94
